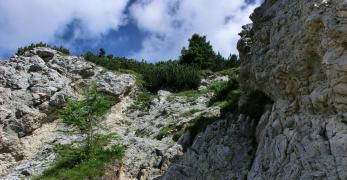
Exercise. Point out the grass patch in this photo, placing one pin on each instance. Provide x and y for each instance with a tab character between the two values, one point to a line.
190	112
75	163
228	72
165	132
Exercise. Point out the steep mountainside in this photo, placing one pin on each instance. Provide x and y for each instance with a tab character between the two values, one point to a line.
289	123
34	86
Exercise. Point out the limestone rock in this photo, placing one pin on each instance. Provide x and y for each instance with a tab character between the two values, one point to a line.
32	88
295	53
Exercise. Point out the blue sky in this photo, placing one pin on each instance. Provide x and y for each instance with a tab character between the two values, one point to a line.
143	29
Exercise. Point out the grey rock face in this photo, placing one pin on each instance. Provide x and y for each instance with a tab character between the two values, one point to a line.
224	151
294	52
298	58
35	85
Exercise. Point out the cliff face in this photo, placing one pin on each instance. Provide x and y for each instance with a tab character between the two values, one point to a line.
295	53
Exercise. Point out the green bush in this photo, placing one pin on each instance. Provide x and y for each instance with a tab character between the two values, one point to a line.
168	75
22	50
171	76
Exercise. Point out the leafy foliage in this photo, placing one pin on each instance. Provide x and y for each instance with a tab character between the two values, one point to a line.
22	50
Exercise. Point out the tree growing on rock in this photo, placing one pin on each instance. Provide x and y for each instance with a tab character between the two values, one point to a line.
86	113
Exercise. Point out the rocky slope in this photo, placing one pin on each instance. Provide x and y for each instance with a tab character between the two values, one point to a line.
35	85
32	88
294	53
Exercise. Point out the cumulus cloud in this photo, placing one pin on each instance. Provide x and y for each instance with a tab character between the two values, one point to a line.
27	21
164	26
171	23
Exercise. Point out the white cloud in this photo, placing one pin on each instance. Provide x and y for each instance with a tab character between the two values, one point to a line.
27	21
171	23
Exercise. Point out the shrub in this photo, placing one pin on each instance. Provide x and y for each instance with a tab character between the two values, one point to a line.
171	76
168	75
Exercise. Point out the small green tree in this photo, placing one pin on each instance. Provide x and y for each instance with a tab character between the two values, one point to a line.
199	52
102	52
233	60
85	114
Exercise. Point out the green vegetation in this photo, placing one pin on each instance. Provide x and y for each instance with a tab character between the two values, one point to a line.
190	112
226	94
199	124
175	76
200	54
143	100
168	75
22	50
191	95
86	113
255	104
165	131
75	163
88	158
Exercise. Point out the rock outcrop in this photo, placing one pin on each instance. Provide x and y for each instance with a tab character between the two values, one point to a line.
298	57
32	88
295	53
